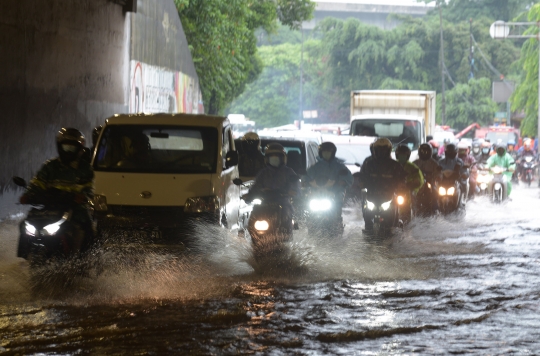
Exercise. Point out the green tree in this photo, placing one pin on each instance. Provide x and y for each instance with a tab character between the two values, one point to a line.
526	95
221	34
463	10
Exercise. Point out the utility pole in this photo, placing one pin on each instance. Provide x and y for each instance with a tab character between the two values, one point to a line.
471	51
443	103
301	79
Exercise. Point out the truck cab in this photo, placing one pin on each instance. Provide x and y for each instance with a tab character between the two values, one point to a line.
165	171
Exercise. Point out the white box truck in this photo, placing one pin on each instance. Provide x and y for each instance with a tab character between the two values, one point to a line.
403	116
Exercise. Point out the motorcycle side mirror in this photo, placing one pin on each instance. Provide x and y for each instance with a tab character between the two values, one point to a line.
237	181
19	181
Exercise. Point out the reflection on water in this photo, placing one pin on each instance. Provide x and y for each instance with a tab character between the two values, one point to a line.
444	285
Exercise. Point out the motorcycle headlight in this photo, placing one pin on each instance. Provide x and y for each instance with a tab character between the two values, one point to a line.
52	229
386	206
370	205
30	229
483	185
261	225
496	169
442	191
208	204
497	186
429	185
320	204
451	191
257	201
528	159
400	200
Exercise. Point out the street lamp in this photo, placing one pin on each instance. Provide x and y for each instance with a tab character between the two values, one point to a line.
501	30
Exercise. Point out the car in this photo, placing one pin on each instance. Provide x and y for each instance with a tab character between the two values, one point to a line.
295	134
163	172
352	150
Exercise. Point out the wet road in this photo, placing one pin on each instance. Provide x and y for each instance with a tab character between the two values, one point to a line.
444	286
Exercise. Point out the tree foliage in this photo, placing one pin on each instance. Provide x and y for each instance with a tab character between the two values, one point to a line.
221	34
526	95
463	10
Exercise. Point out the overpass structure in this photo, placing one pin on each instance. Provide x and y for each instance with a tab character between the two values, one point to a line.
372	12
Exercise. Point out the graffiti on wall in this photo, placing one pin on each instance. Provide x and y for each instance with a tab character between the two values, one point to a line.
154	89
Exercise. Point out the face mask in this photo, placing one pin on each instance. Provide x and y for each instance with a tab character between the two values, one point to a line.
402	159
326	155
274	161
462	153
485	151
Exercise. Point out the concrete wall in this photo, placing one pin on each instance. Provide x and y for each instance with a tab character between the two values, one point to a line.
67	63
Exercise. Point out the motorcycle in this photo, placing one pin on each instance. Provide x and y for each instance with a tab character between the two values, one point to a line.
528	167
381	212
450	195
498	185
269	225
48	232
323	213
426	196
483	181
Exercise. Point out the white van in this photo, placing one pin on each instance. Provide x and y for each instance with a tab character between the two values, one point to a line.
163	171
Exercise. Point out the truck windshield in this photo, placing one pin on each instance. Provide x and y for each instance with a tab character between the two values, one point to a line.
501	137
406	132
157	149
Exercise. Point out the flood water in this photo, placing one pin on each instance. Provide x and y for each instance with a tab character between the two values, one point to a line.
467	285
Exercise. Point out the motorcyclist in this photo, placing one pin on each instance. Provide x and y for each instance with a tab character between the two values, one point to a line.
503	160
414	180
485	154
429	167
277	178
476	150
451	162
526	152
251	160
71	175
468	160
435	146
330	173
382	173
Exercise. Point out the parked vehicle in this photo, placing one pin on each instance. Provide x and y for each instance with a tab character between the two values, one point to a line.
163	171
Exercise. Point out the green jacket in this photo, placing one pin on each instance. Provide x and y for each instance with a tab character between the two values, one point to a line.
415	178
505	161
55	174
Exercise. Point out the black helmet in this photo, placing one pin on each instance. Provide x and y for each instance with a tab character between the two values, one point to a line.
251	142
275	149
382	148
403	151
476	147
95	134
327	146
450	151
371	148
425	151
501	149
69	143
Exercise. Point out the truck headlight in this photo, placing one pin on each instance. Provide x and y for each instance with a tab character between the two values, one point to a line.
320	204
100	202
208	204
386	206
370	205
261	225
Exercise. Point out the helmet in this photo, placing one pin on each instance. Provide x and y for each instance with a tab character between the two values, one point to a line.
450	151
425	151
476	147
325	147
95	134
382	148
486	147
69	143
527	145
273	150
501	149
371	148
463	149
403	153
251	141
